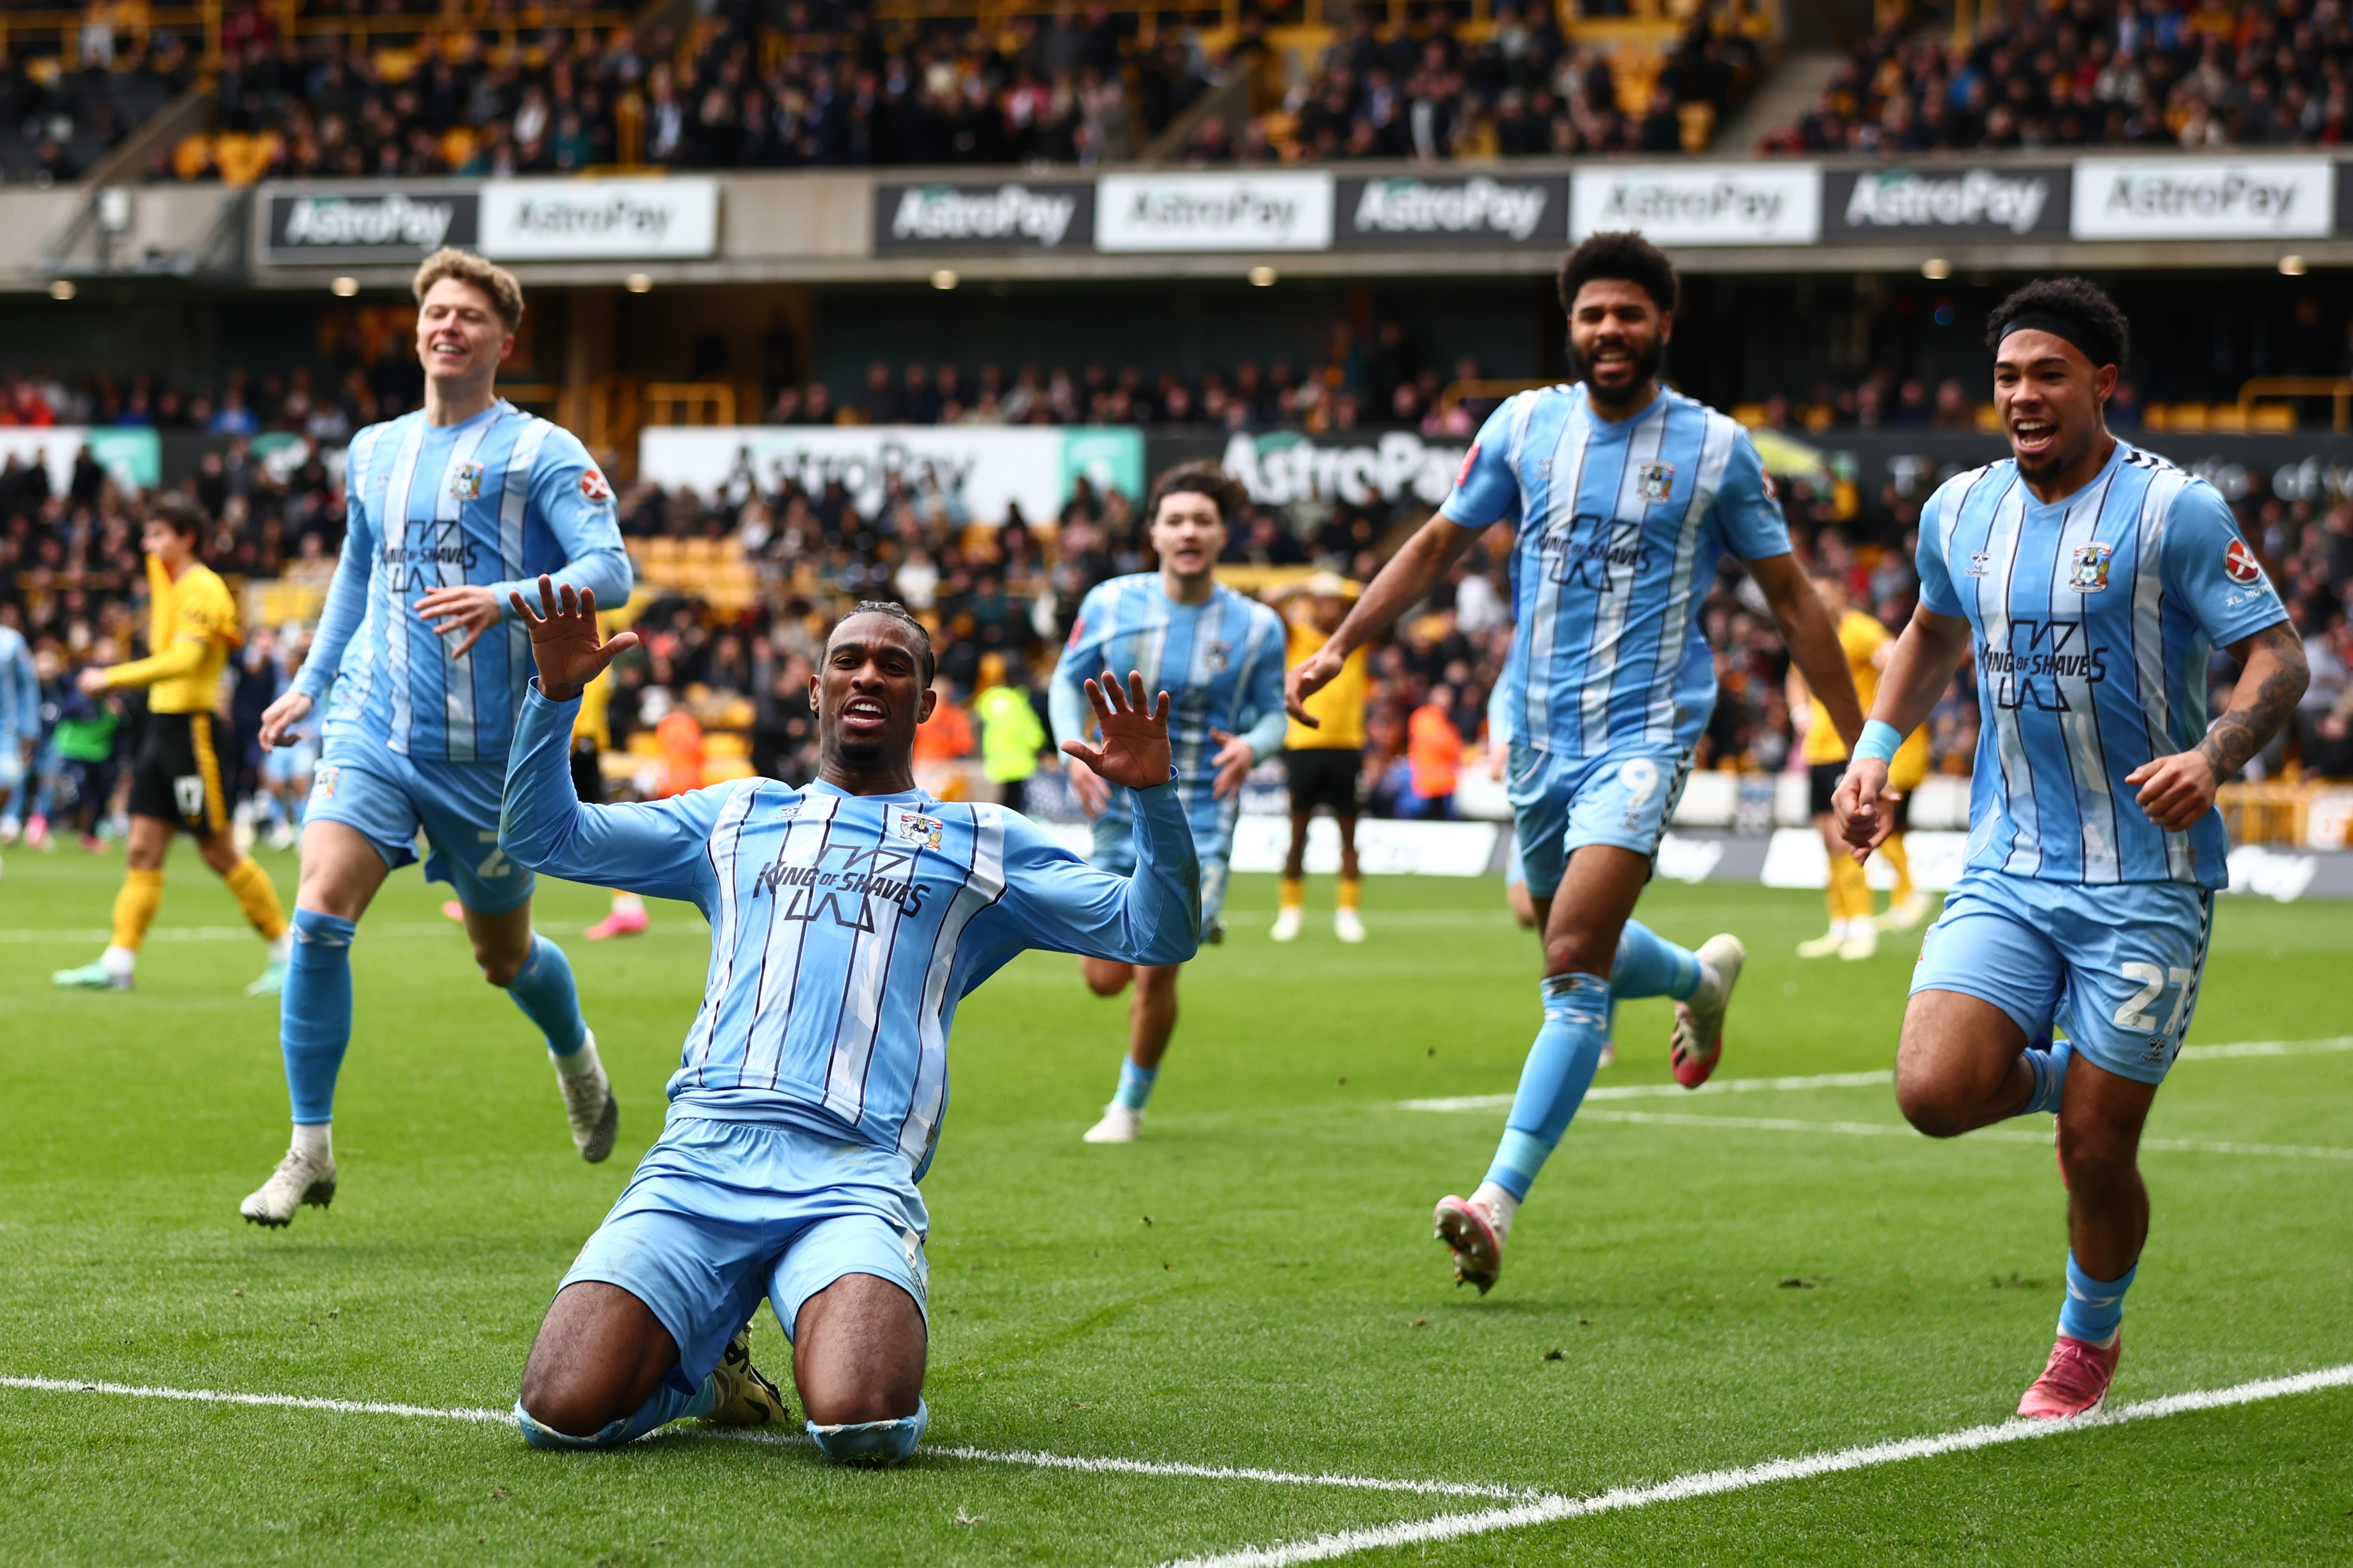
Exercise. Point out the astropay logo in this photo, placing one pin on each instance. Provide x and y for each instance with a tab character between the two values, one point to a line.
1409	205
396	220
1980	197
1006	211
2204	198
1730	204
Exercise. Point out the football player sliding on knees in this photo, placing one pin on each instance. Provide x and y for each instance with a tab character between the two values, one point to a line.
2095	847
848	917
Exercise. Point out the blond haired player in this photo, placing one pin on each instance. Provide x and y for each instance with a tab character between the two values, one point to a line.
1323	760
176	773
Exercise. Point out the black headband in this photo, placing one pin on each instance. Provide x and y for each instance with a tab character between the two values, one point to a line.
2073	329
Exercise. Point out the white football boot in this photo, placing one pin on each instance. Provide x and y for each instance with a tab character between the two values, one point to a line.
298	1180
1348	925
588	1102
1287	923
1119	1125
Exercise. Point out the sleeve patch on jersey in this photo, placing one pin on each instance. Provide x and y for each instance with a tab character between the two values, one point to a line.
1078	631
1470	459
2240	566
593	487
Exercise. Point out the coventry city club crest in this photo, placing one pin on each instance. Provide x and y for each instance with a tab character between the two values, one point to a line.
922	831
1218	655
1655	481
466	482
2090	574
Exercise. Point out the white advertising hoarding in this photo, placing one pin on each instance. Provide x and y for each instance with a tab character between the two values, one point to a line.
586	220
982	469
1703	204
1214	212
2204	198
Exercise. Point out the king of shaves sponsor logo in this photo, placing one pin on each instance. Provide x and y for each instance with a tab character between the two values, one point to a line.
1980	198
1409	204
996	213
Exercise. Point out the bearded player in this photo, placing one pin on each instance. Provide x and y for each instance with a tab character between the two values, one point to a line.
1221	655
451	508
2091	580
848	920
1623	494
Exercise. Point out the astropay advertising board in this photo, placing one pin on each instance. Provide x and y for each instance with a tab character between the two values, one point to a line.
1703	204
1242	211
981	469
2204	198
587	220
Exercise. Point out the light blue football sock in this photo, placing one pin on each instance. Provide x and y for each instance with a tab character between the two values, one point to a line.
543	988
2049	1069
1135	1084
873	1442
1552	1082
314	1014
669	1404
1648	964
2094	1308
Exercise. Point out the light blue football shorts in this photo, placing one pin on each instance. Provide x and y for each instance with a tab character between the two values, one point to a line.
385	797
12	768
720	1214
1559	804
2117	964
1213	847
288	764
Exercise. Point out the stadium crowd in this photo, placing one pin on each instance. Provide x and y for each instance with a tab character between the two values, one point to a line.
820	83
2071	73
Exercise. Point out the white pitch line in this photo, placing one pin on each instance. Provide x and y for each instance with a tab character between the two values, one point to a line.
1985	1134
1713	1483
1032	1458
1853	1079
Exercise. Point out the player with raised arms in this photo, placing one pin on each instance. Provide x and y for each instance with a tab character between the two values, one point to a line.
2091	580
450	509
1221	653
849	918
1624	495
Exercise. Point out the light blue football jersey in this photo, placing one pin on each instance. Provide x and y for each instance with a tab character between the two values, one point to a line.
1220	662
20	691
1620	527
845	929
2093	618
493	501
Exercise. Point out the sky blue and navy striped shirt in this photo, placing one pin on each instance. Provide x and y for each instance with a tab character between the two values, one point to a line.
20	694
845	929
2093	618
493	501
1620	525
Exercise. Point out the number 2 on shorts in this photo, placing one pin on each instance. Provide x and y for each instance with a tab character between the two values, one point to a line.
2153	981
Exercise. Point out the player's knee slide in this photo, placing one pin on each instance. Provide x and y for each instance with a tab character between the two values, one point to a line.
612	1435
872	1442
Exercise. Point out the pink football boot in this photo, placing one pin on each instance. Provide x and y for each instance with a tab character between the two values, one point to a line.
2075	1381
1470	1235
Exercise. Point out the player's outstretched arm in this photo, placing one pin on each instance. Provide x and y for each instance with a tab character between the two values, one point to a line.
1919	667
543	826
1055	901
339	618
1812	641
2177	791
1405	582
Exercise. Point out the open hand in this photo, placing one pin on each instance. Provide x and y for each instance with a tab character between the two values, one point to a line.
464	608
1135	749
563	640
281	717
1308	677
90	681
1233	762
2175	791
1862	808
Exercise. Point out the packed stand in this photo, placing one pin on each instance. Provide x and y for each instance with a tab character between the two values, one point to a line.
1423	92
56	124
2095	72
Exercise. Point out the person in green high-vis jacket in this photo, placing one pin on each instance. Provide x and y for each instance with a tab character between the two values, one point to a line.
1011	735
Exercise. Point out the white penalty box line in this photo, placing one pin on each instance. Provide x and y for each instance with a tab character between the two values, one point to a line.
1528	1508
1716	1483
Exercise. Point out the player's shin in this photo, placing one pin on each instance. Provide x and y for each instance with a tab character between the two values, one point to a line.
1558	1071
315	1015
1649	966
667	1404
258	899
2094	1309
543	988
134	912
873	1442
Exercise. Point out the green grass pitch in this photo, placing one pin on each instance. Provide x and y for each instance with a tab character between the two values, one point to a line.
1253	1285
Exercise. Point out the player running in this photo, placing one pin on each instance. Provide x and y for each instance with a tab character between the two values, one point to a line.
2091	580
449	508
1624	495
849	918
20	727
175	772
1221	655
